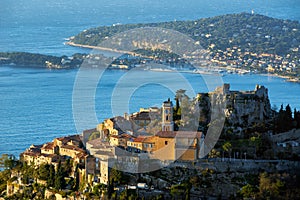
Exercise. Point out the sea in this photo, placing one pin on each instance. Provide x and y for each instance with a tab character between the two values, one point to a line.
37	105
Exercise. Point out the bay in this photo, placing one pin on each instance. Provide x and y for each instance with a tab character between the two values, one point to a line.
42	27
36	104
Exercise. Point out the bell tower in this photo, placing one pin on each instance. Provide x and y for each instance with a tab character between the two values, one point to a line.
167	116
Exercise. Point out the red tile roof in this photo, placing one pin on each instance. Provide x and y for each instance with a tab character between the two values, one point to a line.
124	135
71	147
49	145
139	139
67	139
149	140
31	154
177	134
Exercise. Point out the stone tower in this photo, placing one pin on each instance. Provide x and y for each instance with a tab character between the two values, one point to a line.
167	116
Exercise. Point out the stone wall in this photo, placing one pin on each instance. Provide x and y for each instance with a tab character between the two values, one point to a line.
243	166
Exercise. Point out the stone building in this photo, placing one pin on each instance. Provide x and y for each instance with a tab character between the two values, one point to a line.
240	108
167	116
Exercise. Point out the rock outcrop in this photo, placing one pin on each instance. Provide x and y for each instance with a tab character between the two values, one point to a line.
241	108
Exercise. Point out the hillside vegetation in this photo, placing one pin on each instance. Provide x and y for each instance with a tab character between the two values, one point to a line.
250	32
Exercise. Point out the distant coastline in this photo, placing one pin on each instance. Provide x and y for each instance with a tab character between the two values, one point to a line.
96	47
40	60
224	57
257	44
285	77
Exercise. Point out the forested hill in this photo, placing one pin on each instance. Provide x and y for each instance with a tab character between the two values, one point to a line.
249	32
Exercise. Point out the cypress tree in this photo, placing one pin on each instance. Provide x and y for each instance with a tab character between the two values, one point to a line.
51	178
59	182
288	118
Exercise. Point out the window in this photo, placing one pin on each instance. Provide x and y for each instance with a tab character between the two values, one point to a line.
166	142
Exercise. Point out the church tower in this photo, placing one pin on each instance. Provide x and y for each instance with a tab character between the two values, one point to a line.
167	116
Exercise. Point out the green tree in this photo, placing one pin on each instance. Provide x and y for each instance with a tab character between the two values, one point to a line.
195	181
249	191
67	167
181	191
115	175
180	94
284	120
28	173
51	177
43	171
289	117
8	161
3	158
256	142
4	177
59	182
270	186
177	110
297	118
227	147
214	154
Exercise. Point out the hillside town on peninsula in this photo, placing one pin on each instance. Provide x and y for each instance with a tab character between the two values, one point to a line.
257	44
164	153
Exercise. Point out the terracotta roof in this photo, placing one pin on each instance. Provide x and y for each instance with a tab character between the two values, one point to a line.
81	155
67	139
49	145
150	139
33	150
178	134
49	155
31	153
124	135
71	147
139	139
36	146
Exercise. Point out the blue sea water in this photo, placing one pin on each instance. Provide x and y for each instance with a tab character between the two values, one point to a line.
36	104
42	26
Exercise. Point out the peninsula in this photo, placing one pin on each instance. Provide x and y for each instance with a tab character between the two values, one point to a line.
235	43
40	61
251	42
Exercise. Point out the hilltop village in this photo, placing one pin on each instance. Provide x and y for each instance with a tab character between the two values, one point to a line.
161	153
